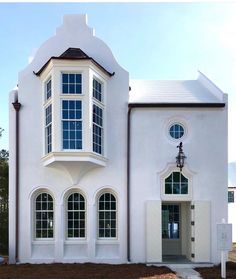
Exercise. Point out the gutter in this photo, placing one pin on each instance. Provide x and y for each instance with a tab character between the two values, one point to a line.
176	105
17	107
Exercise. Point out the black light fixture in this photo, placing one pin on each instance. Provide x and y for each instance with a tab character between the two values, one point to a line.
180	157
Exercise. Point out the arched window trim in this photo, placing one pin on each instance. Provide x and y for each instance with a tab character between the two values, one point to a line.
68	194
98	196
34	198
189	174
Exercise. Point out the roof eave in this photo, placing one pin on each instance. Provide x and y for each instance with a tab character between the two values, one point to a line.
71	58
176	105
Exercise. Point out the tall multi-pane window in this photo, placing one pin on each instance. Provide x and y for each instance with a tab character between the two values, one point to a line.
176	183
107	217
72	124
44	219
97	90
48	129
170	221
97	129
76	216
71	83
48	89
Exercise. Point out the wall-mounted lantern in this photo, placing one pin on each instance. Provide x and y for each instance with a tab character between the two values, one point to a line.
180	157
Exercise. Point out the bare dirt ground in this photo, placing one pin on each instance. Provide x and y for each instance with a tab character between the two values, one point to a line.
232	254
215	272
85	271
104	271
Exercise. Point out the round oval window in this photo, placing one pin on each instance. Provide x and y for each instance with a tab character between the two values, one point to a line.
176	131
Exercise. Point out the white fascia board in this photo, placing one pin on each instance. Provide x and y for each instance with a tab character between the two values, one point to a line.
67	64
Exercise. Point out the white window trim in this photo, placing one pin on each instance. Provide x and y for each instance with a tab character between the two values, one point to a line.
81	119
75	95
102	92
46	100
46	126
176	197
33	210
69	240
180	121
107	240
102	128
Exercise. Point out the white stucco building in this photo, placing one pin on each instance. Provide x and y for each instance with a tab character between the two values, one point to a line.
93	175
231	198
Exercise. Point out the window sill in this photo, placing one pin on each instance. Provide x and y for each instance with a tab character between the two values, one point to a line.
74	156
176	197
43	241
75	241
107	241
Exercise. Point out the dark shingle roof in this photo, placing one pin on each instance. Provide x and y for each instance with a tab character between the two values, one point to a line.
73	54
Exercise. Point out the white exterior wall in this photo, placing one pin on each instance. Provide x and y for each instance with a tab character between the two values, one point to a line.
231	214
205	146
56	179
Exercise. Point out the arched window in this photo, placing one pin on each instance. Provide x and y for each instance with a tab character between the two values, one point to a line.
76	216
107	217
44	217
176	183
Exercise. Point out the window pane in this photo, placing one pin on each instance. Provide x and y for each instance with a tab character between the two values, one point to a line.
184	189
168	188
176	131
65	78
176	177
44	219
107	215
169	178
78	89
76	215
78	78
176	188
65	88
71	78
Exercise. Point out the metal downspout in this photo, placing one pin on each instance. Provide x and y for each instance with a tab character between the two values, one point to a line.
128	183
17	107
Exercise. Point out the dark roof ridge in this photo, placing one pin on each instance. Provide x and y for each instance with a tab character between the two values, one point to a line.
73	54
